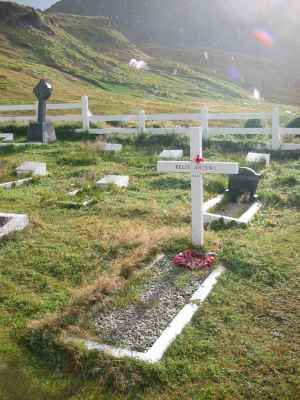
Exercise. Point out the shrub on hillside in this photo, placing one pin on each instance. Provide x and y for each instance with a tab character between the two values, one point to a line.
295	123
253	123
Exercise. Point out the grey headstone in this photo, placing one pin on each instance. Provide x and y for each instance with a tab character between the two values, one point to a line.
246	181
42	131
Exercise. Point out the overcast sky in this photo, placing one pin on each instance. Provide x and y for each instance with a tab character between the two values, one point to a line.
42	4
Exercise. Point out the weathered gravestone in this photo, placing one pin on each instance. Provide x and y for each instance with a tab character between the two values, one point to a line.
42	131
245	182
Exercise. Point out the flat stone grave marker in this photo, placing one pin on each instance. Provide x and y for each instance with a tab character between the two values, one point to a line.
118	180
112	147
171	154
12	222
34	168
74	192
197	167
258	157
6	137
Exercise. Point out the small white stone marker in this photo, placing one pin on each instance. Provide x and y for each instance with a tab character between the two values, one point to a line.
74	192
118	180
258	157
113	147
34	168
7	137
197	167
14	222
171	154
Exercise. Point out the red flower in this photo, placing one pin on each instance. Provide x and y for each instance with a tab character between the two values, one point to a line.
192	260
199	159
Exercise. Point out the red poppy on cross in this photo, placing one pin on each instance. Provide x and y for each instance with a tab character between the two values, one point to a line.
199	159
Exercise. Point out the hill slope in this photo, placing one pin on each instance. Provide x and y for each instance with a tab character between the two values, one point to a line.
88	55
181	30
225	25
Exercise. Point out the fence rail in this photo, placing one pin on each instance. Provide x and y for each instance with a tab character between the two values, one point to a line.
83	117
275	131
203	117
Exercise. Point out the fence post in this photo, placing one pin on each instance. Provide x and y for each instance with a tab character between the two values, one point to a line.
142	121
276	137
36	110
204	119
85	113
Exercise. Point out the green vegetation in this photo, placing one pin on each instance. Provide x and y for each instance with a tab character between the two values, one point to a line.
243	344
253	123
295	123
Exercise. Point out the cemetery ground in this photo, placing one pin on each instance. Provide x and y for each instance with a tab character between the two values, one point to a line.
245	341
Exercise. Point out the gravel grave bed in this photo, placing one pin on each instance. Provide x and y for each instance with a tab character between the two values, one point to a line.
138	324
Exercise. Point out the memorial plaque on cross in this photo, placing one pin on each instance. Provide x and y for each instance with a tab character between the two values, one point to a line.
197	167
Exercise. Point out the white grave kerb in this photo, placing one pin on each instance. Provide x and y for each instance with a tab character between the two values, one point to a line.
197	167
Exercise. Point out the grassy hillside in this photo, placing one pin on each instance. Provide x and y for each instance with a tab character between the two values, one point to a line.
84	55
275	81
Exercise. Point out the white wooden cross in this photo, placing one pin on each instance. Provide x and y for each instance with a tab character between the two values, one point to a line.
197	167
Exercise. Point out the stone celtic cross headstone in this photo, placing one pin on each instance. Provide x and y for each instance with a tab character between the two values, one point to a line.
42	131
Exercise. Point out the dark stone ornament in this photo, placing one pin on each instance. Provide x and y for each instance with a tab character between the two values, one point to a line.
42	131
246	181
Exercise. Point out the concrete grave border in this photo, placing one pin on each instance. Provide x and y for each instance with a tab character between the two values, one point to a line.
175	328
7	137
17	222
244	219
13	184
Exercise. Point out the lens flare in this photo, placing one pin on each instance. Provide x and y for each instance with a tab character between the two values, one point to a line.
256	94
264	38
234	74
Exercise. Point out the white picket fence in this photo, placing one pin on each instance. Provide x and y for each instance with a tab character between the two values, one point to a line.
275	131
82	105
203	118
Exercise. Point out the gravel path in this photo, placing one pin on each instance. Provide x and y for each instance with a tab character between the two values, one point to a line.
138	326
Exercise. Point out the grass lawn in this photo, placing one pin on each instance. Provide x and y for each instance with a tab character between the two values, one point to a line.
243	344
